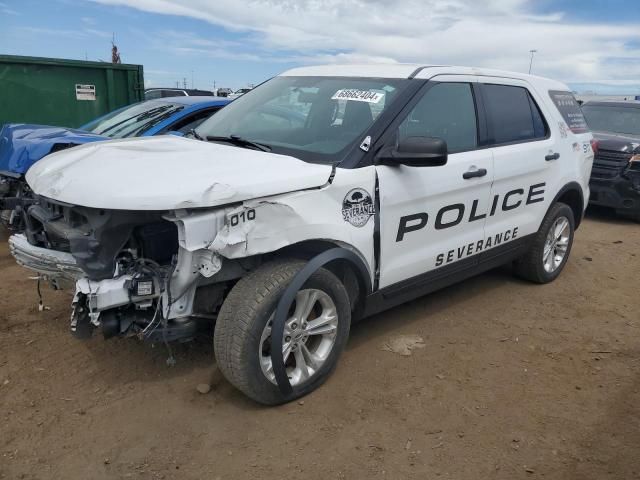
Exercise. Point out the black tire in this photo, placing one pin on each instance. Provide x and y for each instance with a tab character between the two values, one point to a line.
531	265
244	315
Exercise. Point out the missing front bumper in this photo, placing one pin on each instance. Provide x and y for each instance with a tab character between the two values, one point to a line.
50	264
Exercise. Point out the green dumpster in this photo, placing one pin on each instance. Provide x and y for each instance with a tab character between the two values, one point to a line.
66	93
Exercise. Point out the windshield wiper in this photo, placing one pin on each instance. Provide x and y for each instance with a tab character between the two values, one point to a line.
240	142
138	117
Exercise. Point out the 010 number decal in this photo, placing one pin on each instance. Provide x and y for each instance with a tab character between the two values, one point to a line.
244	216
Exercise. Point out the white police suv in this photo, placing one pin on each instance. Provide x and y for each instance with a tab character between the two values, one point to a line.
320	197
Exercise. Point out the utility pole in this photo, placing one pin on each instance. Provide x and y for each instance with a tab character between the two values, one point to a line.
532	52
184	82
192	79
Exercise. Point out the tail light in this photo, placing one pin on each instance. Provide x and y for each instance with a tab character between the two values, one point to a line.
594	146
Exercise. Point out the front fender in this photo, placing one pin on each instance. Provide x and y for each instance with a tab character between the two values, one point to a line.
340	212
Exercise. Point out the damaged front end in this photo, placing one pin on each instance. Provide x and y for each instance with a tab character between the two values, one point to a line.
155	259
135	272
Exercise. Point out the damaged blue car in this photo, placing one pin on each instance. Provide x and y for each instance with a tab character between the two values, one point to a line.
22	145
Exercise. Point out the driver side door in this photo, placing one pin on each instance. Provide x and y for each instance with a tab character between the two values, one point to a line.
432	218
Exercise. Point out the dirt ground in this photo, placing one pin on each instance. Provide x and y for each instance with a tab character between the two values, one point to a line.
513	381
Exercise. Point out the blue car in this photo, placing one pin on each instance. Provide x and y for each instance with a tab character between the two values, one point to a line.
22	145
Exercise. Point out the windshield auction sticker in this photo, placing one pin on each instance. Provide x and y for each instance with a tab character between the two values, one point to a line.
358	95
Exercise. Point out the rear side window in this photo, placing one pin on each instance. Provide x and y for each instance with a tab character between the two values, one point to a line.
568	107
446	111
513	114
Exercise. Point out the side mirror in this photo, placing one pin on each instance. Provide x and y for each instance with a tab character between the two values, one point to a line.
417	152
175	133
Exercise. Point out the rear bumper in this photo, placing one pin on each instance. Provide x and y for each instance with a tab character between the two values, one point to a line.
52	264
619	192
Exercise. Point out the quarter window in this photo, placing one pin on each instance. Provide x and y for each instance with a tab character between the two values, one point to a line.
513	114
189	123
446	111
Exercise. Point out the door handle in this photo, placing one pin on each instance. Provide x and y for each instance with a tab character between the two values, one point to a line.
481	172
552	156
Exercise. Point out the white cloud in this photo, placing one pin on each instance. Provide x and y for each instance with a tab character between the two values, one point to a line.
494	33
4	8
53	32
78	34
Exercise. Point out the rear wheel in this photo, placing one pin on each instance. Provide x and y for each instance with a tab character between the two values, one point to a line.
551	247
315	334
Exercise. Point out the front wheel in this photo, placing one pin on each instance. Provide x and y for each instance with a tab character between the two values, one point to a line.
316	331
551	247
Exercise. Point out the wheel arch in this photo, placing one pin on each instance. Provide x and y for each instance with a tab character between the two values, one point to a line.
352	270
572	195
284	304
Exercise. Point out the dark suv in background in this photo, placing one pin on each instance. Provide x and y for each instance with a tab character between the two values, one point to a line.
615	178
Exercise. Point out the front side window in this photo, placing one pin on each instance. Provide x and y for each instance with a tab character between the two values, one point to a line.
133	120
315	119
446	111
513	114
614	119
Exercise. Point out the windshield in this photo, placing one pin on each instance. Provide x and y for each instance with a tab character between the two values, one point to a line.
133	120
312	118
615	119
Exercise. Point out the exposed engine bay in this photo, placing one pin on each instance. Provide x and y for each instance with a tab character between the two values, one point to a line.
133	275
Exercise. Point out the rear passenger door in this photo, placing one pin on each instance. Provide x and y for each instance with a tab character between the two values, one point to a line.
431	217
525	158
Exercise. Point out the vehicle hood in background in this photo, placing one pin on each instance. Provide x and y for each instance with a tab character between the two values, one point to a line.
22	145
167	173
617	142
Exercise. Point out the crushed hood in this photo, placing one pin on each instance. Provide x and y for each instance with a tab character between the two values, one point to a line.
22	145
618	142
167	173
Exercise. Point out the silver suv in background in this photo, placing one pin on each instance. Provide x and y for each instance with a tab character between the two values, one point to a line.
238	93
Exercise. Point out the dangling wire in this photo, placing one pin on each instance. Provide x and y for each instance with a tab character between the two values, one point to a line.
41	306
158	316
40	303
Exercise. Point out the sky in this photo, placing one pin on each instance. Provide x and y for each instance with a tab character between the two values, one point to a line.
594	46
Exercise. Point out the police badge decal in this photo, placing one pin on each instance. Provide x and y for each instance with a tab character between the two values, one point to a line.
357	207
